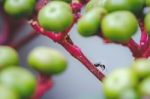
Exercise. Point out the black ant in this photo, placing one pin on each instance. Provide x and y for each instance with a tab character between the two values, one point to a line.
103	67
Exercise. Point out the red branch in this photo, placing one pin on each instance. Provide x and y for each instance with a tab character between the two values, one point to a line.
144	37
131	44
77	53
10	28
76	6
69	46
134	48
44	83
6	27
146	54
18	44
40	4
84	1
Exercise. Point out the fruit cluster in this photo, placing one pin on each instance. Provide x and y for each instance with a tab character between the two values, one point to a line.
129	83
116	19
113	20
18	83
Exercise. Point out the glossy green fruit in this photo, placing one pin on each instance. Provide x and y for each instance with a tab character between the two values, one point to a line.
8	57
141	67
147	3
49	62
19	7
94	3
6	93
129	94
89	24
18	79
135	6
119	26
147	23
144	87
59	4
118	81
56	16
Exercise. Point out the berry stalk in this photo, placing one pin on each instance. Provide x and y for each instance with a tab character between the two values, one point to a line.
144	37
6	27
134	48
23	41
44	83
77	53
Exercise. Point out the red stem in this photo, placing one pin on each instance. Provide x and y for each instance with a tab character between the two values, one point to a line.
55	36
76	6
77	53
134	48
71	48
44	83
144	37
84	1
146	54
40	4
10	26
24	40
131	44
6	27
39	29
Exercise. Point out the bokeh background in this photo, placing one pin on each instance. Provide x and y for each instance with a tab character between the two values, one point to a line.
77	82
